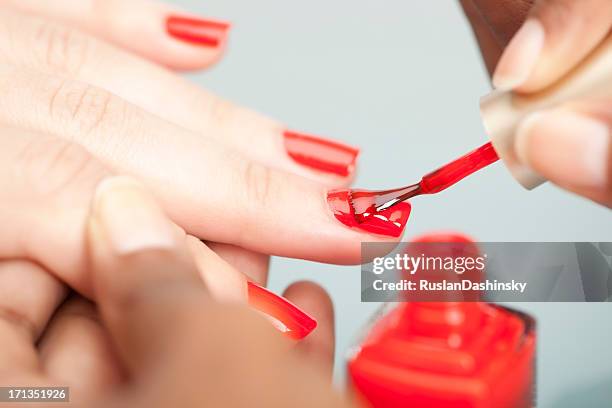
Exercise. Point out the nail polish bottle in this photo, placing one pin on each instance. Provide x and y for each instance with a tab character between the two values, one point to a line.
503	111
446	355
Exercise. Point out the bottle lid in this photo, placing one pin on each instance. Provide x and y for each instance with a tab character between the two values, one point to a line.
501	116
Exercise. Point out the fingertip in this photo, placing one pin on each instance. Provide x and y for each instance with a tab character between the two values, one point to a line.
125	218
566	147
194	42
164	34
320	344
313	298
520	57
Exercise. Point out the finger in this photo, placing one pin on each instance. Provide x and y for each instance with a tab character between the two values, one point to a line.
571	147
76	351
51	48
119	197
555	37
29	296
223	281
45	188
320	345
215	193
138	258
163	321
154	30
45	192
227	284
252	264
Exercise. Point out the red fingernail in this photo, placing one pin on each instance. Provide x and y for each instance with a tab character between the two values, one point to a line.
197	31
285	316
389	222
321	154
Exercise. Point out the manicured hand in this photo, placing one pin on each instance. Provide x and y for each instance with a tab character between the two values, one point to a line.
222	172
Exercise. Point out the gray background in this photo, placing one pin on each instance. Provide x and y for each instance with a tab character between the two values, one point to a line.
402	79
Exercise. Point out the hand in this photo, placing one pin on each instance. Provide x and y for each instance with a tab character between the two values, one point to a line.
157	338
221	172
569	145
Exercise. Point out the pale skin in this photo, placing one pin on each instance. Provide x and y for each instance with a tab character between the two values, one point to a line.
81	104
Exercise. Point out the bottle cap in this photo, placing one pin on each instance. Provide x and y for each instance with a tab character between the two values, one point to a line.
501	116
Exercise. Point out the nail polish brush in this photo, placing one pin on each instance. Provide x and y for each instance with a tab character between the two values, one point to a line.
366	203
502	112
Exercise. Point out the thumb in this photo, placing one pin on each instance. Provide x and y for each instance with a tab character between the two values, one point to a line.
555	37
163	322
571	147
143	276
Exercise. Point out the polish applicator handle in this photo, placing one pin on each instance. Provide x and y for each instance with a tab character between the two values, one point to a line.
458	169
503	111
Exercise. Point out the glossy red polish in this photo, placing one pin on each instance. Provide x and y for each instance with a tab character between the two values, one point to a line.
321	154
389	222
284	315
197	31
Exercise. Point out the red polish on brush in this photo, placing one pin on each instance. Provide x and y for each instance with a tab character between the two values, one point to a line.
386	212
284	315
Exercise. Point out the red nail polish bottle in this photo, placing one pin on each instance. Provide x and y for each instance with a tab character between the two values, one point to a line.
446	354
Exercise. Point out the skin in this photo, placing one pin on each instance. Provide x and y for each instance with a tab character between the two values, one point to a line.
63	82
572	30
70	122
154	318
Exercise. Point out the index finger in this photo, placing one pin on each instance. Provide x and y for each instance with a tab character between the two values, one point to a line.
212	191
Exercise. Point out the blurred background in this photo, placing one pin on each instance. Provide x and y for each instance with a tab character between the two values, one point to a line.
402	79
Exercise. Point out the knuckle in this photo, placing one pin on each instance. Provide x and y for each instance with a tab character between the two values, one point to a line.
82	105
220	111
60	48
258	180
49	166
19	320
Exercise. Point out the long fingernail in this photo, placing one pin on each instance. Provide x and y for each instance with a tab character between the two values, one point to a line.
566	147
321	154
389	222
130	218
520	56
286	317
197	31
